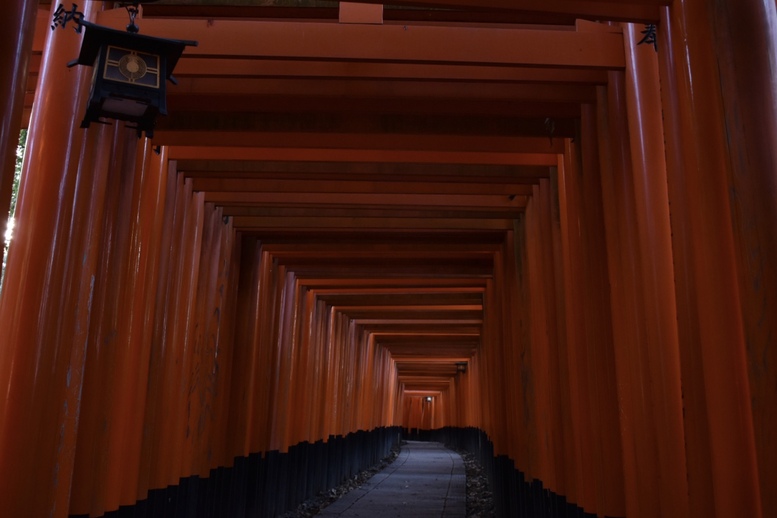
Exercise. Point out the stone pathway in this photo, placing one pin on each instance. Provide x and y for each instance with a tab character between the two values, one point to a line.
426	480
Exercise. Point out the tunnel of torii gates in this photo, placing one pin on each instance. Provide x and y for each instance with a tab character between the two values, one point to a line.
514	226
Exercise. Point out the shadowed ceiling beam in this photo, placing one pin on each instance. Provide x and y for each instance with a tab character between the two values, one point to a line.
361	211
475	187
441	91
357	141
297	154
377	297
361	170
482	202
377	224
243	68
636	10
294	104
462	248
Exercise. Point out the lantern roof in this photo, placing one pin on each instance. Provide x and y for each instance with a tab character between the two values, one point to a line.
98	35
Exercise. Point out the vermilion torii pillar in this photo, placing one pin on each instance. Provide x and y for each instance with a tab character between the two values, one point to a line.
34	361
15	50
720	108
79	199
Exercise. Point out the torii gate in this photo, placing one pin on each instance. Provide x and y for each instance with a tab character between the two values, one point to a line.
587	224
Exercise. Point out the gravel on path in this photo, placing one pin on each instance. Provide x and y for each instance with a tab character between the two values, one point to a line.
480	501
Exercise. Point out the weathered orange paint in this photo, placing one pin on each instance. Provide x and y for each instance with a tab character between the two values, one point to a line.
200	386
304	408
396	43
174	333
654	233
321	402
224	445
183	337
491	345
351	12
243	437
284	354
151	410
597	310
713	342
35	361
516	401
744	37
698	460
119	330
576	444
359	155
541	299
90	211
629	333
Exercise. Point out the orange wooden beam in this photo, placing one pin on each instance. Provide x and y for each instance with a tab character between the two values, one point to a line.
307	104
429	200
356	211
409	248
416	318
404	295
443	91
223	183
405	281
242	68
358	141
191	152
371	308
387	43
453	350
376	224
471	174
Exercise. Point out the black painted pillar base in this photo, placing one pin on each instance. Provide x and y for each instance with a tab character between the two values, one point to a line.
514	496
260	486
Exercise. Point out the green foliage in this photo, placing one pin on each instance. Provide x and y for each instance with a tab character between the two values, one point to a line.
14	197
18	172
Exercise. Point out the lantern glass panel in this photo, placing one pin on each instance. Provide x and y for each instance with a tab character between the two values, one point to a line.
119	106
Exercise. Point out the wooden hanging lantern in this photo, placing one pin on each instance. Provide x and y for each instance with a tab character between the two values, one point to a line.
130	74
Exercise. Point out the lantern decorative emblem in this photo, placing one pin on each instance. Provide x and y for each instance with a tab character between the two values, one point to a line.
137	68
130	73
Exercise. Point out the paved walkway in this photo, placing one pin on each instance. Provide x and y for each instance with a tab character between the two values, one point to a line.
425	480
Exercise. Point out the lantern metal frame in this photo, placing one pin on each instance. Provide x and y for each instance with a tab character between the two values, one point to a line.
126	93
